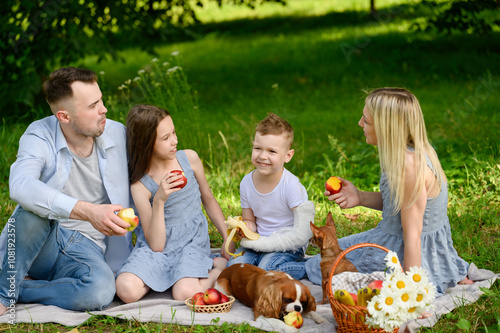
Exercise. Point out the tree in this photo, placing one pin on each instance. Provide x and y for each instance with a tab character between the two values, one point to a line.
40	35
461	16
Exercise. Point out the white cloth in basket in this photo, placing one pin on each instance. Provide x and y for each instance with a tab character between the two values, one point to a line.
352	281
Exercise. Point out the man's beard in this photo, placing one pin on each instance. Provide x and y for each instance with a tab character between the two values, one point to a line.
90	132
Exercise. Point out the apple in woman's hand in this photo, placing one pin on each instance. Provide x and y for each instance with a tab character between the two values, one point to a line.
333	185
183	178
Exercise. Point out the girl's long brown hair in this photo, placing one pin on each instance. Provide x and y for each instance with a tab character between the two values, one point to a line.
142	122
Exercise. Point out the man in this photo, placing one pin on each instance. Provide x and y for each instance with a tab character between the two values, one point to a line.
69	179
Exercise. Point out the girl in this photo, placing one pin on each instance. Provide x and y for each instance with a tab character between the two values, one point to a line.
413	195
173	246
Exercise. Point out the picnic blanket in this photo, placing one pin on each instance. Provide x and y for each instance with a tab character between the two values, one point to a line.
161	308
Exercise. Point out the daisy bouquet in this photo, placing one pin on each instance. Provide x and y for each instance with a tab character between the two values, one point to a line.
403	297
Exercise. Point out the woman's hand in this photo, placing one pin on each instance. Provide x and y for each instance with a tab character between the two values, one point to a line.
348	197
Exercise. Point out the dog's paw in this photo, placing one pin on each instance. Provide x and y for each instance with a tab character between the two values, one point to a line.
319	319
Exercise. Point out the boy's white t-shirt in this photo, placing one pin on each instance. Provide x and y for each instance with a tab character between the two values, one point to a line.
272	210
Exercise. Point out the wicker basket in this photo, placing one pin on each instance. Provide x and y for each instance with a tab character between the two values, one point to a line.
223	307
350	318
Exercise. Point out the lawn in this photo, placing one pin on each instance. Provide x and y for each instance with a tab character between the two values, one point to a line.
311	62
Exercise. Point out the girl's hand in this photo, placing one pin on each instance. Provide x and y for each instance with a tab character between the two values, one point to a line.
232	249
348	197
167	186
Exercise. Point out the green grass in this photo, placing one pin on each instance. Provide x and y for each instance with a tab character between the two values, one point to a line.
310	62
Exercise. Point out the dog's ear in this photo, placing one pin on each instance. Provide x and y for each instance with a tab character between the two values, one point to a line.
318	235
330	223
311	301
269	303
329	219
315	229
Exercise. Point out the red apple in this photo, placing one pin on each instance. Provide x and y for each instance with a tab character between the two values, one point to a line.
223	298
183	178
211	296
294	319
354	297
128	215
376	284
197	299
333	185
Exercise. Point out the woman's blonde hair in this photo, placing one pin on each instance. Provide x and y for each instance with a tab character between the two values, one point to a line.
399	125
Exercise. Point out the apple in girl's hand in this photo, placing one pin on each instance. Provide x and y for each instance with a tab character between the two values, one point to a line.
211	296
293	319
128	215
223	298
183	178
333	185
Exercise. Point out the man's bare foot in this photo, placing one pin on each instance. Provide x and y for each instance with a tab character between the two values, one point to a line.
466	281
3	308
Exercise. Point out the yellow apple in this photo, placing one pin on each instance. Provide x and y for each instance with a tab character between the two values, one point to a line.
294	319
128	215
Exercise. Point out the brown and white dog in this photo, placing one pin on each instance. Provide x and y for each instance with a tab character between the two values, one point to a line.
271	295
326	239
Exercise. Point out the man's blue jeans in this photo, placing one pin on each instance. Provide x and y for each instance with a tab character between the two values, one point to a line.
68	269
290	262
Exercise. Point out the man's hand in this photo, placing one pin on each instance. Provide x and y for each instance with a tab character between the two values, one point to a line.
102	217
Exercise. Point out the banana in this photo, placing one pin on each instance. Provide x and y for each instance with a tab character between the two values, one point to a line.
233	223
345	297
375	291
364	295
336	294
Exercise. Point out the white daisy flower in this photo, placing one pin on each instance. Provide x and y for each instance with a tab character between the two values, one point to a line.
175	53
406	298
413	312
423	296
374	307
418	275
399	281
388	301
392	261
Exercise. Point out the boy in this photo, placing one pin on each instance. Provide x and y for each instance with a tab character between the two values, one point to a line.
274	203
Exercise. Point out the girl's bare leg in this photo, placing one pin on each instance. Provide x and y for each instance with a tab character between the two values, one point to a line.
187	287
130	288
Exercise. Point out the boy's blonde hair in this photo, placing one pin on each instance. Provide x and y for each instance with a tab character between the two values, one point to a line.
276	125
399	124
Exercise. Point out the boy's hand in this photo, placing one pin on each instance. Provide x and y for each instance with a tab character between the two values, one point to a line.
250	225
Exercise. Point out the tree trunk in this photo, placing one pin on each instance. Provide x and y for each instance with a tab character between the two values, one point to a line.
373	11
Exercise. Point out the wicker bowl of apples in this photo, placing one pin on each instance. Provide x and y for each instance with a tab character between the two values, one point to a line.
210	301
